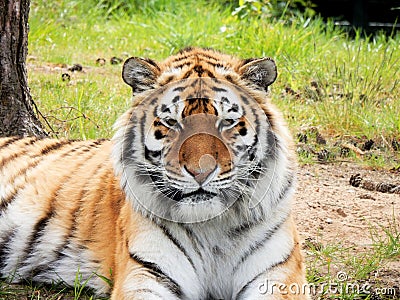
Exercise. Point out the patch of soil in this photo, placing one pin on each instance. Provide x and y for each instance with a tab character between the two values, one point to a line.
328	210
328	207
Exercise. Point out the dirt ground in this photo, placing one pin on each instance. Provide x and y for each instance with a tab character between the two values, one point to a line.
329	210
328	207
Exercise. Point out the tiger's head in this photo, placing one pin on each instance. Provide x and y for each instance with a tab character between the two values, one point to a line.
201	136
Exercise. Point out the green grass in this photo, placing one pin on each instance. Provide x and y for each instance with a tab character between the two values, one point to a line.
333	269
345	89
56	291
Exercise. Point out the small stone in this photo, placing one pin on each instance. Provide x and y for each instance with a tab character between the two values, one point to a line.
320	139
311	243
65	77
366	196
115	60
367	145
302	137
328	221
101	61
323	155
341	212
76	67
396	145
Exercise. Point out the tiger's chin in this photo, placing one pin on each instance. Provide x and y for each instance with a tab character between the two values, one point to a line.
194	210
201	204
193	207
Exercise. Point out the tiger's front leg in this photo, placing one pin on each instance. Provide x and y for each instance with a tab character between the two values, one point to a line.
148	266
140	283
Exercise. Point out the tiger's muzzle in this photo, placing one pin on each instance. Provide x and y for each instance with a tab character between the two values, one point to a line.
200	149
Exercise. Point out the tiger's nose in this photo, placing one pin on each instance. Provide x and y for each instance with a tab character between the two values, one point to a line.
202	155
206	166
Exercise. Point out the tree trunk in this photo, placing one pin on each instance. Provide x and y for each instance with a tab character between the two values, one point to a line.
17	116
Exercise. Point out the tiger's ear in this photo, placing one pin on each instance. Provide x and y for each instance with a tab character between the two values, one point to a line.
260	71
140	73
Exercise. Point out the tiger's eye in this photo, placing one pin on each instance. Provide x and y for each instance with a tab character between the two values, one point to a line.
171	122
227	122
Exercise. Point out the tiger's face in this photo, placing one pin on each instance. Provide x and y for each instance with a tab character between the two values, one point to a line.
199	136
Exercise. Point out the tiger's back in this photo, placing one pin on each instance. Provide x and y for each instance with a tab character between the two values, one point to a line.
55	197
190	200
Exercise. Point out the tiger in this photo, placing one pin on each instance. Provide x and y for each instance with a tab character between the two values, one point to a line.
190	199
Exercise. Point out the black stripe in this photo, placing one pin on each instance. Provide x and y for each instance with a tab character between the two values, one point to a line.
153	156
181	65
215	80
166	81
225	172
244	99
176	99
254	247
52	213
270	118
5	202
242	229
37	233
179	89
194	240
155	114
14	155
229	79
212	60
128	151
286	187
49	148
142	133
255	112
82	147
272	145
155	270
209	74
83	192
225	100
177	244
11	141
234	108
165	109
147	291
5	248
246	286
154	100
195	82
187	74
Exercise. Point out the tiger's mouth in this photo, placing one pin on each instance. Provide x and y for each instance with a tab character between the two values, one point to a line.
199	195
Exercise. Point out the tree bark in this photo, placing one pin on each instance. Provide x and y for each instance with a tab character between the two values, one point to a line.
17	115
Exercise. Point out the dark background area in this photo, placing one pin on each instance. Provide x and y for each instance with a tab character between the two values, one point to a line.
370	15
